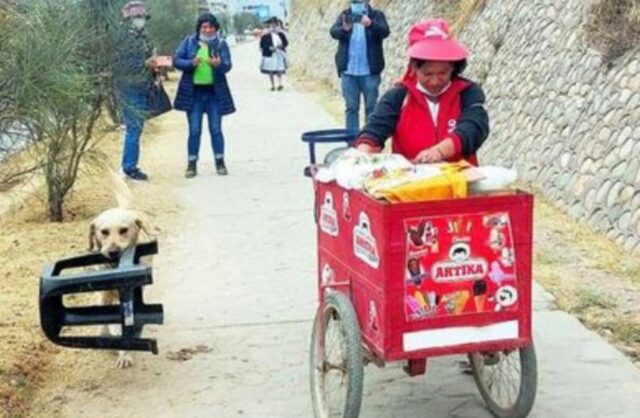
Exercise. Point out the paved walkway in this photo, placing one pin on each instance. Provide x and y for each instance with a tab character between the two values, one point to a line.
240	279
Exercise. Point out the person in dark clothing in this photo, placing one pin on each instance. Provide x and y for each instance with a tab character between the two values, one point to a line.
273	45
360	31
204	59
134	69
433	114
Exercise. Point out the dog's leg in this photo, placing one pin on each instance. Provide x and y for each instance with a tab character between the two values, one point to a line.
124	360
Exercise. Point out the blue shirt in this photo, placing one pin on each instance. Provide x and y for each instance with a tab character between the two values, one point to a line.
358	61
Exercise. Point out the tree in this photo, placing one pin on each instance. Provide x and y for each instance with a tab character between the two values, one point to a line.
243	21
53	88
171	21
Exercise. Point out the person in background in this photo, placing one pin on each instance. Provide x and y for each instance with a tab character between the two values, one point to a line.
433	113
360	31
134	70
273	45
204	59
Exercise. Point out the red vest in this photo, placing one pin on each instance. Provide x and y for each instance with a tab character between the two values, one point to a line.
416	131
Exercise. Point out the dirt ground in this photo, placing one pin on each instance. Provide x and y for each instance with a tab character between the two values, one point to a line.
28	363
590	276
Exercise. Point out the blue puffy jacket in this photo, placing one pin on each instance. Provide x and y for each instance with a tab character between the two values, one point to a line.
183	60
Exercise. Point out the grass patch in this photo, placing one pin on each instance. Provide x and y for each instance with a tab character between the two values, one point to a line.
613	27
588	300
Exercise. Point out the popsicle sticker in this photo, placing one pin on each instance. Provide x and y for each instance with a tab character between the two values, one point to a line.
506	297
480	294
373	317
346	209
364	243
455	302
328	216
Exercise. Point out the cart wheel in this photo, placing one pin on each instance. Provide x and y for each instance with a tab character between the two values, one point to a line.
336	360
507	380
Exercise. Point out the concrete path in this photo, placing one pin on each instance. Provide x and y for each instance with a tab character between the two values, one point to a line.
240	280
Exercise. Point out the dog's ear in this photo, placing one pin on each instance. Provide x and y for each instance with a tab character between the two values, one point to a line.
145	225
93	240
142	226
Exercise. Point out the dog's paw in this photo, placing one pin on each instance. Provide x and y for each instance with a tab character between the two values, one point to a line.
124	361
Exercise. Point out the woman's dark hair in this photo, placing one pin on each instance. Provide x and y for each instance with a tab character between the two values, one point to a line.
207	18
272	20
458	66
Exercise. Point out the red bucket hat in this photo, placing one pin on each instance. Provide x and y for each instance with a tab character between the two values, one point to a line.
431	40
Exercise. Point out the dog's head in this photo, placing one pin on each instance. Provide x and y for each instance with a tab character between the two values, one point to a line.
113	231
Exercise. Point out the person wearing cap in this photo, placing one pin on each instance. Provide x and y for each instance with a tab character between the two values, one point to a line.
273	45
433	113
204	59
360	31
134	69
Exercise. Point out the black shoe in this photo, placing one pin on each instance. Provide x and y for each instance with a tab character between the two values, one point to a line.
221	169
273	88
280	88
136	174
192	170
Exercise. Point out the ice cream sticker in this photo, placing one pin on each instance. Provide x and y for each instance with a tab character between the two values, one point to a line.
374	324
364	243
346	209
459	265
328	216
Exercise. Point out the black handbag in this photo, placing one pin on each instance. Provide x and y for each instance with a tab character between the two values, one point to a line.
159	102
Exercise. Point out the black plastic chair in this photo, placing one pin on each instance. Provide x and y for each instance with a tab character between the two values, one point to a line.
132	313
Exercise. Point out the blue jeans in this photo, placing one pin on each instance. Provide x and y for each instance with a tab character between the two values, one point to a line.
204	102
134	108
352	87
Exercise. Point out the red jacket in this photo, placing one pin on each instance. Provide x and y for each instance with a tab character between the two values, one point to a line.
404	114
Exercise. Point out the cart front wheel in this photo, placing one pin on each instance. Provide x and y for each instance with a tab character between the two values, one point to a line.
336	360
507	380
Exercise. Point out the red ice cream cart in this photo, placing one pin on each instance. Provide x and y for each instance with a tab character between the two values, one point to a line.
410	281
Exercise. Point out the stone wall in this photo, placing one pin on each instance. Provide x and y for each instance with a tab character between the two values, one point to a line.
568	123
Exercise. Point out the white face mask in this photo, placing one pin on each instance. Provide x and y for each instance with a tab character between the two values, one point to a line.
207	38
138	23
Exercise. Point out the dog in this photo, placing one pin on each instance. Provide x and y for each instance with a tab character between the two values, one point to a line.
111	233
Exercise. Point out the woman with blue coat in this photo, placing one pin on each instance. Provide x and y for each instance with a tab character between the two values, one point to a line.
204	60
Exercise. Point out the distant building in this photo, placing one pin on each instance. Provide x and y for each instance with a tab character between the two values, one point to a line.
265	9
214	6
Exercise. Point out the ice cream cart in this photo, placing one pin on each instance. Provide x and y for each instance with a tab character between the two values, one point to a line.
410	281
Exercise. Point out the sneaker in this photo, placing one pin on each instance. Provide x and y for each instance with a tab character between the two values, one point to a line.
136	174
221	169
192	170
273	88
280	88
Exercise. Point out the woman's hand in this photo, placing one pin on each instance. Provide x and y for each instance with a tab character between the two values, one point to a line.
196	61
151	63
215	61
429	156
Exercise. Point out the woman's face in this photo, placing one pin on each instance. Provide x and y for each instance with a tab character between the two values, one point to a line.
207	29
434	75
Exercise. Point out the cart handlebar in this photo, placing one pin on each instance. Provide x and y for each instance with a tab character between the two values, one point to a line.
325	136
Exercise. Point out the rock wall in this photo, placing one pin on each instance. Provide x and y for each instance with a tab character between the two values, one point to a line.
568	123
